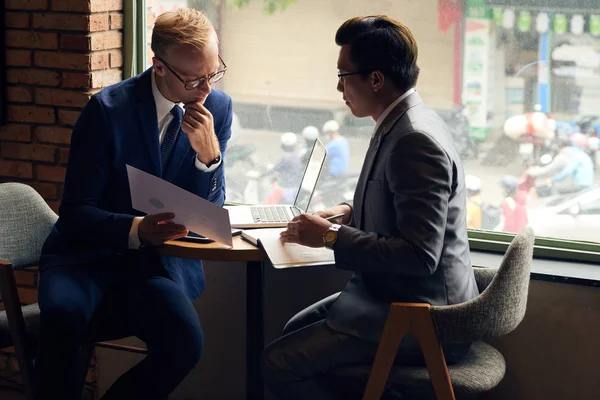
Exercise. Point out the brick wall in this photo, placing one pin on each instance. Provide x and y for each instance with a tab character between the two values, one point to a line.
58	53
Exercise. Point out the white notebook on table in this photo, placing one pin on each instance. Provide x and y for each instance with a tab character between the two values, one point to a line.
287	255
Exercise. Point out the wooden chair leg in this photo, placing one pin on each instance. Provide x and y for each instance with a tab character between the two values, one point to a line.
396	327
12	305
422	327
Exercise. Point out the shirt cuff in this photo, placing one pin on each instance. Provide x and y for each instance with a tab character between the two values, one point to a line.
134	239
203	168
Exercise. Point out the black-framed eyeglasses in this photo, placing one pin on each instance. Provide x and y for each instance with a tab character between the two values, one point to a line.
198	82
341	76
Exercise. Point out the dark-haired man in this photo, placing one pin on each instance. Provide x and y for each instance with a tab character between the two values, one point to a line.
405	237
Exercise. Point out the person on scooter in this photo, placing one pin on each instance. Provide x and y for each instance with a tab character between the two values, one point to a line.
338	149
309	134
514	206
287	171
474	202
571	170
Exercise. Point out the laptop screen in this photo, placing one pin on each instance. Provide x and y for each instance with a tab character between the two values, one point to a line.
311	176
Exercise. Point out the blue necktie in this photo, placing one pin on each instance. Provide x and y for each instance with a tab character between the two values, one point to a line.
171	136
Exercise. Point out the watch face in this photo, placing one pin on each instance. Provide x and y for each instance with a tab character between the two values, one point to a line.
329	236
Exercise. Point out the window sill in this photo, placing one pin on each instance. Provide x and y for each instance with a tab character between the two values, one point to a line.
560	271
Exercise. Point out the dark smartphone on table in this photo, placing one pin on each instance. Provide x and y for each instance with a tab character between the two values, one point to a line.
194	237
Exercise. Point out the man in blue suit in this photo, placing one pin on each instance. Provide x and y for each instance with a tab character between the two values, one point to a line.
99	273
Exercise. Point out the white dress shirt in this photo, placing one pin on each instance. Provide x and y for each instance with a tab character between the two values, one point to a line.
391	107
164	118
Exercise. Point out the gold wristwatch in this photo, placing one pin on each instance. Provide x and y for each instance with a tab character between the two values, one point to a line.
330	236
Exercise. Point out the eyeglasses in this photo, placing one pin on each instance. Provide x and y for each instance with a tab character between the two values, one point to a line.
198	82
341	76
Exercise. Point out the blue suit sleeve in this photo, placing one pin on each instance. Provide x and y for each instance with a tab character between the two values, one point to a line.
81	215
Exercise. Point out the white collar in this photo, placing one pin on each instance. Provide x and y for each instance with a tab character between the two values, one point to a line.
163	105
391	107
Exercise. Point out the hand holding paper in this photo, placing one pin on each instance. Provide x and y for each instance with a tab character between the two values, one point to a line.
156	229
153	195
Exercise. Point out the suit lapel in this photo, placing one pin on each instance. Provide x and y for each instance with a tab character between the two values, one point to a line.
146	112
384	128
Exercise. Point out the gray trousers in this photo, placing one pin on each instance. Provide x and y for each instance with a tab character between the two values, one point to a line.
299	364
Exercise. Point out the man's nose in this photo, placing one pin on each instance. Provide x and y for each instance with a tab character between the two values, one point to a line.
204	89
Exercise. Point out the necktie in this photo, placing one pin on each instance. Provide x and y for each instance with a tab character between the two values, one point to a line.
171	135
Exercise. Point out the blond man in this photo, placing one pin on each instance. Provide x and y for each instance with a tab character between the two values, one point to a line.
100	274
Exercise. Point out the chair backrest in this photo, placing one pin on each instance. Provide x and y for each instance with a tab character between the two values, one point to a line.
484	276
500	308
25	222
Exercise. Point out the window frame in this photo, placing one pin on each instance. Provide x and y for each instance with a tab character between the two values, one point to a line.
135	40
134	37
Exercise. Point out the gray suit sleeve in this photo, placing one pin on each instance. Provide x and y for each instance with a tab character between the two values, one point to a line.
419	177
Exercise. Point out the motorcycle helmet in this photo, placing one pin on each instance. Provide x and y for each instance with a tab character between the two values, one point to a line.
310	133
509	183
579	140
288	140
331	126
473	184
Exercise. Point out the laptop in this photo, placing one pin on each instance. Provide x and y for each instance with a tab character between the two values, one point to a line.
277	216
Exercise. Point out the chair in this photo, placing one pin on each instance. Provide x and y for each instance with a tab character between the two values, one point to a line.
25	222
498	310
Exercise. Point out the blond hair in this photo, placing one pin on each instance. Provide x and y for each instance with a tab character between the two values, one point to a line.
184	26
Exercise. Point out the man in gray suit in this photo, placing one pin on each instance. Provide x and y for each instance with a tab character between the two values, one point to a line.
405	238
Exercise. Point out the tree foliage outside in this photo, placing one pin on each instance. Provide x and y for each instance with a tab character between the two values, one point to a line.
270	6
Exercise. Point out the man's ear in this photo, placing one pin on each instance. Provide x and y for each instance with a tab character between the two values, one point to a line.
377	80
159	67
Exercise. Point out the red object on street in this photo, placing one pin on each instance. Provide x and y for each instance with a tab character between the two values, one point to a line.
449	13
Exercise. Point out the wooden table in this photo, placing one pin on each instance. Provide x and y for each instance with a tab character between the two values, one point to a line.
254	259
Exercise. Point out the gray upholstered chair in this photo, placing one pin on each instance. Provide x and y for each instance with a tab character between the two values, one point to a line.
498	310
25	222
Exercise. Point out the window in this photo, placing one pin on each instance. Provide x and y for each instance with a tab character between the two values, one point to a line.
519	88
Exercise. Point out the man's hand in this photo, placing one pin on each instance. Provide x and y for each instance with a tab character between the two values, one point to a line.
199	127
156	229
336	210
306	229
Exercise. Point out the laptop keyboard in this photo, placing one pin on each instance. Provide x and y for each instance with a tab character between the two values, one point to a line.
271	214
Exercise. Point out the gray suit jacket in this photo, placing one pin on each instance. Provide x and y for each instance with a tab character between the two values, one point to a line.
407	241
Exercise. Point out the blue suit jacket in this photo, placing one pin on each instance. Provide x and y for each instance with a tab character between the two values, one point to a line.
118	126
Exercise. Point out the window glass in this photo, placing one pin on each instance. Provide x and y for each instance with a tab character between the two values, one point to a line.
516	81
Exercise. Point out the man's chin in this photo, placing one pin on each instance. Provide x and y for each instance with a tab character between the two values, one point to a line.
357	113
200	100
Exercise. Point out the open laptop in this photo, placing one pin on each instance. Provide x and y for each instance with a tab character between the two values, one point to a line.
276	216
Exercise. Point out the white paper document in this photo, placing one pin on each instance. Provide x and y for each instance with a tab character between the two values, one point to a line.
154	195
287	255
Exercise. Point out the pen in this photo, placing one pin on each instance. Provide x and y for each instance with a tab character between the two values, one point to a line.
334	217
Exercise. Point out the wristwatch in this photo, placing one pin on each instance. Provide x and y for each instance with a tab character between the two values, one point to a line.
215	161
331	235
